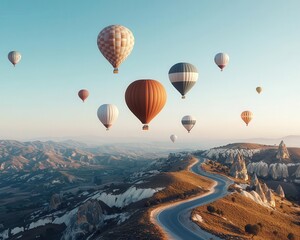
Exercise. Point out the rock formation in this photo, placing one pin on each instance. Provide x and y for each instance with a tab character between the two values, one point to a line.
282	152
297	173
254	181
55	201
238	168
264	187
260	192
270	198
280	191
260	168
88	219
278	171
229	159
274	170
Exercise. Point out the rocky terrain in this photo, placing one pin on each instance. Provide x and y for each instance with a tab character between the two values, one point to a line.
275	164
65	201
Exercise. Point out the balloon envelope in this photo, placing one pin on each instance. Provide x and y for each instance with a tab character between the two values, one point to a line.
107	114
221	59
247	116
188	122
258	89
83	94
14	57
183	77
115	42
173	138
145	98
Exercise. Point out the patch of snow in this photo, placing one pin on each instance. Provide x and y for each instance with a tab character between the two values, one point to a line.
16	230
66	218
4	234
140	182
56	181
40	222
36	177
132	194
24	176
197	218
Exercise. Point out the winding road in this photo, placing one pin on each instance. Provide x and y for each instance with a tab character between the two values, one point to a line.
175	219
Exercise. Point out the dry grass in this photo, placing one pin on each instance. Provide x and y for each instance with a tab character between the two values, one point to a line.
243	211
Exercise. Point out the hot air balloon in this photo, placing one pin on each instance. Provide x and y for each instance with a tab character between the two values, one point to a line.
173	138
14	57
258	89
107	114
221	59
115	42
83	94
247	116
188	122
145	98
183	77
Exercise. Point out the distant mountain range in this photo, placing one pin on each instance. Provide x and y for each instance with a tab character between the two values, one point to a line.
38	155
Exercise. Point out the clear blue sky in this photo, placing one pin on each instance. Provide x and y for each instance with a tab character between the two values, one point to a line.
57	39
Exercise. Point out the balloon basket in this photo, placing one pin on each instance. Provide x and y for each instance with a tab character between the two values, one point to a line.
183	97
116	71
146	127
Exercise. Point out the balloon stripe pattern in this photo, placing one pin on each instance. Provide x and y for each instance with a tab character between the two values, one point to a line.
14	57
221	59
108	114
247	117
183	77
115	42
145	98
188	122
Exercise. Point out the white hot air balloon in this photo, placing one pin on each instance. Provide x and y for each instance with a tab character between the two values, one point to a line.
173	138
14	57
107	114
188	122
221	59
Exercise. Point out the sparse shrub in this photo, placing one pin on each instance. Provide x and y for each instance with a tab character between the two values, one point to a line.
233	199
219	212
291	236
252	229
281	206
248	189
211	209
275	233
147	204
272	212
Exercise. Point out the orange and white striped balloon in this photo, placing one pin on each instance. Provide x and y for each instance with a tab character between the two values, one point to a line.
247	116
